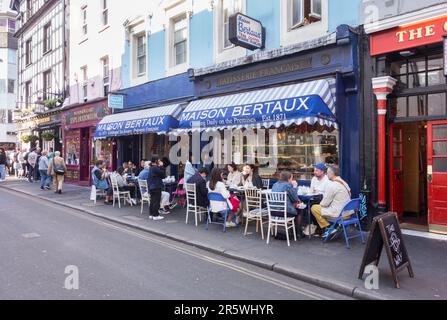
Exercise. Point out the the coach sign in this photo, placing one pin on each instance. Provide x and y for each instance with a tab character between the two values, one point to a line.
246	32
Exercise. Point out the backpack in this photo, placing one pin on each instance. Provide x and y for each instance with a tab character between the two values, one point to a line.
58	169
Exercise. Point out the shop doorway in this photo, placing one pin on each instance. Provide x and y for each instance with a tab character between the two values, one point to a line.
84	165
408	174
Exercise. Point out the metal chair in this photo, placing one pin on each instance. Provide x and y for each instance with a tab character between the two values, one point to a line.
117	193
217	197
95	193
191	200
348	216
179	195
277	203
266	183
145	196
254	210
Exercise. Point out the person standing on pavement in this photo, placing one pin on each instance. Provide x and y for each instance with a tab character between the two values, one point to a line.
155	184
36	167
43	169
3	163
57	170
31	159
50	154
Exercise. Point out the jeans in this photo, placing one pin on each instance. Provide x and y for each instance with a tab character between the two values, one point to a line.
30	172
45	179
2	172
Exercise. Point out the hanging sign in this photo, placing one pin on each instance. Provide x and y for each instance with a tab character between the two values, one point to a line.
246	32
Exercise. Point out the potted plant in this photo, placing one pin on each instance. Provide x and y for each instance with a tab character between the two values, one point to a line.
48	136
33	138
25	138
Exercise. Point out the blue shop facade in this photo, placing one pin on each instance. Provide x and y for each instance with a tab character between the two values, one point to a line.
309	94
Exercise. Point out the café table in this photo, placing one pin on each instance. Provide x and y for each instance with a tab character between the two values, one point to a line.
307	199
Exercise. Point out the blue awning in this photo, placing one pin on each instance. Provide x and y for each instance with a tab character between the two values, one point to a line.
160	120
309	102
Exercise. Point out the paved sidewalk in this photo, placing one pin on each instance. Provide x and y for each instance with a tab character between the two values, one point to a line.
329	265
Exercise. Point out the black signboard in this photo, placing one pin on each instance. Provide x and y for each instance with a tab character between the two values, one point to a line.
246	32
385	231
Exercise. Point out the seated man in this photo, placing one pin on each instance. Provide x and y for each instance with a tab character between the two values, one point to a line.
199	179
124	186
100	180
337	195
287	184
318	185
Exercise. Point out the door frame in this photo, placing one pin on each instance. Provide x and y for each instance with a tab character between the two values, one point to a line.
391	171
436	228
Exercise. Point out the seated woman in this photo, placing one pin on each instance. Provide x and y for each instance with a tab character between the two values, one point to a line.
287	184
251	177
234	177
216	185
337	195
124	186
100	179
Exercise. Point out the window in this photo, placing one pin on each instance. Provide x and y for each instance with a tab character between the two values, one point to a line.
180	38
105	75
11	26
84	20
3	23
11	86
47	84
10	116
304	12
28	93
105	13
228	8
141	54
29	9
84	83
28	52
47	37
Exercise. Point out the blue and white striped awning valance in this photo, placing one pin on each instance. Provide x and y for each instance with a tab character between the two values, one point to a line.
310	102
160	120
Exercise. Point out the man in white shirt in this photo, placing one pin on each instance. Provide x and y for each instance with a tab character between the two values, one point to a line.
320	180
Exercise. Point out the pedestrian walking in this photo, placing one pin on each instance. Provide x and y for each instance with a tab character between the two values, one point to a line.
31	159
43	169
57	170
3	163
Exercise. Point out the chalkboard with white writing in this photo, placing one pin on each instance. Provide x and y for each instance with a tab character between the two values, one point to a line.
385	232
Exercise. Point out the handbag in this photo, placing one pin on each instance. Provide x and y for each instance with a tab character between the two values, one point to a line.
58	169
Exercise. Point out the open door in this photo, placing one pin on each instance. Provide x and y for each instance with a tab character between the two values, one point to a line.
437	176
396	171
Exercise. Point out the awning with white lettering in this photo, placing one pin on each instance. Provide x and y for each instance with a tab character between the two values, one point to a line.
309	102
160	120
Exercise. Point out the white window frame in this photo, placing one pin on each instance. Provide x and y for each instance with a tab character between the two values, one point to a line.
47	84
47	41
139	74
176	9
297	34
135	29
105	64
28	52
105	13
84	23
84	84
221	53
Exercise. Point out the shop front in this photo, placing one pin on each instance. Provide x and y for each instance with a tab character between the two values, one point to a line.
411	91
80	150
49	131
306	103
26	133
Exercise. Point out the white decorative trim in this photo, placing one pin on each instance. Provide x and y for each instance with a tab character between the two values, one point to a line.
384	82
381	95
381	112
399	20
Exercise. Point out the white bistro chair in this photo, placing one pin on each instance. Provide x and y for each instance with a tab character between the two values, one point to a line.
254	210
117	194
266	183
192	207
277	203
145	196
95	193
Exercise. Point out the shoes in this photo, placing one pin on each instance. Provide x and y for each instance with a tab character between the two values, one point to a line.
48	188
108	202
163	211
41	188
230	224
60	191
330	233
172	206
158	218
312	230
151	217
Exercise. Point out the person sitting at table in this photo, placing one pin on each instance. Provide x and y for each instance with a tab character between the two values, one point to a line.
320	180
125	167
131	168
100	180
251	177
199	179
216	185
234	177
124	186
288	185
337	195
141	167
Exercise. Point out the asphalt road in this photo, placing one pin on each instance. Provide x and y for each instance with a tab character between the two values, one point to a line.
39	240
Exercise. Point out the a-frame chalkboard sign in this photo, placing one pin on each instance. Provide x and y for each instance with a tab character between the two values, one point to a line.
385	230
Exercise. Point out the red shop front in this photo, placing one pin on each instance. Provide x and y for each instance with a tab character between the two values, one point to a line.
411	97
80	150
